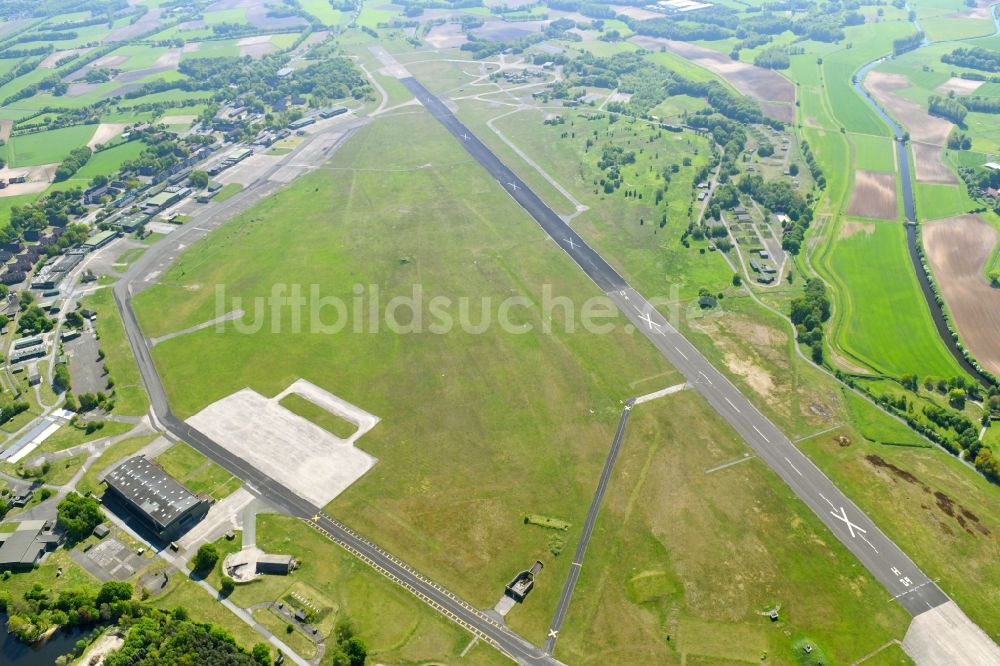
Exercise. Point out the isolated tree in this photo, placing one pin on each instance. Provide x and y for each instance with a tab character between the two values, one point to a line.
198	179
78	516
227	586
261	654
205	559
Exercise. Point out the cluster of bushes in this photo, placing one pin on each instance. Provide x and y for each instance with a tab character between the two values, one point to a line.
73	163
77	516
773	58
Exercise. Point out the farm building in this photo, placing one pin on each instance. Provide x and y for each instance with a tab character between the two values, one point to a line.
156	498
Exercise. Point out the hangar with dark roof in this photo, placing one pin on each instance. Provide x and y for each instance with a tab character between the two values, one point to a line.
156	498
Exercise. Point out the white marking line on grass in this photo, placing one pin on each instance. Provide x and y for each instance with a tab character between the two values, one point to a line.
659	394
793	466
746	457
761	434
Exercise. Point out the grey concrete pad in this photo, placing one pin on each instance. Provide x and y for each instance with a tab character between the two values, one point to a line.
308	460
945	636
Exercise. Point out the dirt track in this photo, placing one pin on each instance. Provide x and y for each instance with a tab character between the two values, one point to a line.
874	195
957	249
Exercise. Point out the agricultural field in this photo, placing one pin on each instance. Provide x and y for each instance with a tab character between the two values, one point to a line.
883	320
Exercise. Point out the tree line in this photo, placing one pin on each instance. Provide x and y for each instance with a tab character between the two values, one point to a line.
977	57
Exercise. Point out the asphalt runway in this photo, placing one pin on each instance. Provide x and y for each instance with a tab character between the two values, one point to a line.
886	562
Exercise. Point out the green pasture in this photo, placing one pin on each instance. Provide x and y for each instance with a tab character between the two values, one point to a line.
370	17
937	201
48	146
881	317
873	153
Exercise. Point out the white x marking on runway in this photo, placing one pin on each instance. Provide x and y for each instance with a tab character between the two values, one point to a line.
553	633
572	245
649	320
850	526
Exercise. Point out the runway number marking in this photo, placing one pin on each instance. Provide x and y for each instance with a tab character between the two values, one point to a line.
761	434
850	526
793	466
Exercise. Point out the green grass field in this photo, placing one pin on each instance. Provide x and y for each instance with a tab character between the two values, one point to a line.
322	10
683	563
227	191
873	153
324	419
465	448
937	201
47	147
130	395
397	628
881	317
197	472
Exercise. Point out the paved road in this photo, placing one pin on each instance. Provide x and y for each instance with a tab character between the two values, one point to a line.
887	563
143	273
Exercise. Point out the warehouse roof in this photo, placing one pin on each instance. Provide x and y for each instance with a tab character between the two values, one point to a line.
154	492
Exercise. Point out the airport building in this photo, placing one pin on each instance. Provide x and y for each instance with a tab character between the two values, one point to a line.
156	498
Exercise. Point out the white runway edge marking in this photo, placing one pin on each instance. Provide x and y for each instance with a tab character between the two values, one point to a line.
761	434
733	406
790	464
659	394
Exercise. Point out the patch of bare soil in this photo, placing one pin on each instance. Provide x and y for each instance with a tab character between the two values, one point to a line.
874	195
929	167
105	132
849	227
958	249
959	86
966	519
922	126
757	82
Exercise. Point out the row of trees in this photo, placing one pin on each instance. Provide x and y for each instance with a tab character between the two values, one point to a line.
808	312
985	60
908	43
947	107
73	163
